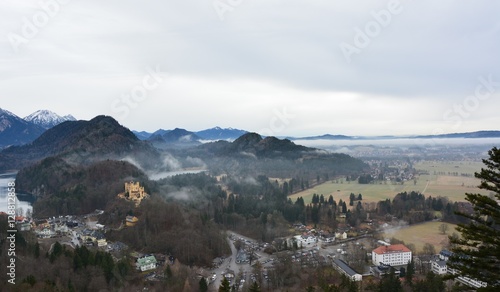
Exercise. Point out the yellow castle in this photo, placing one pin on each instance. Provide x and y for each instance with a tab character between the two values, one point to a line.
133	192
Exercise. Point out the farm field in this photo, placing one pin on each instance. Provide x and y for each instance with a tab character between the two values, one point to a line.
421	234
431	184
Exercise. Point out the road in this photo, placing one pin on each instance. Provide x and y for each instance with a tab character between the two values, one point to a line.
229	263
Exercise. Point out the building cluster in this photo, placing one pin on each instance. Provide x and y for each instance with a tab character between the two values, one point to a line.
392	171
77	228
52	227
398	256
440	267
46	228
310	236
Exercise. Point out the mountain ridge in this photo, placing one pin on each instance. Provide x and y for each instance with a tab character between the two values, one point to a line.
253	144
79	141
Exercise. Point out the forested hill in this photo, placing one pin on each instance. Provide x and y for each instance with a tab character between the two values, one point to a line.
79	142
254	144
251	154
63	189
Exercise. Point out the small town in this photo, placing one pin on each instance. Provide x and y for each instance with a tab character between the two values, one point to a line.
310	248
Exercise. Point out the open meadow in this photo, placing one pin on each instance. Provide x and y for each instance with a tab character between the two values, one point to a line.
423	233
437	179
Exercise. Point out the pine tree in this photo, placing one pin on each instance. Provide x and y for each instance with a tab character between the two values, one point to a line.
477	252
37	250
224	286
203	287
168	272
390	282
254	288
410	271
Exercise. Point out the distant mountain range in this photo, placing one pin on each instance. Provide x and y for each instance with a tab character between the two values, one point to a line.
230	134
218	133
477	134
213	134
16	131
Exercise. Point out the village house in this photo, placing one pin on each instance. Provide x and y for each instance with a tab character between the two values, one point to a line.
44	232
439	267
304	240
342	235
130	221
146	263
26	226
61	228
94	237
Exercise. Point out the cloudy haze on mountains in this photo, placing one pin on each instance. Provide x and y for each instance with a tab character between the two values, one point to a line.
278	67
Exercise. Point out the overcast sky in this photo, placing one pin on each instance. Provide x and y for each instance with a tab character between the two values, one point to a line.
280	67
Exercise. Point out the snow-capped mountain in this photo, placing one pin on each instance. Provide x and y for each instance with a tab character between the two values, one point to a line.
16	131
47	119
219	133
216	133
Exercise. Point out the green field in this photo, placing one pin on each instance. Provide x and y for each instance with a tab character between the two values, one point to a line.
421	234
432	184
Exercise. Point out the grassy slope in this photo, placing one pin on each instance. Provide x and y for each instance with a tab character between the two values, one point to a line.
423	233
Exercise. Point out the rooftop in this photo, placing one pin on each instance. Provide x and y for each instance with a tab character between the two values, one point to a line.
344	266
146	260
394	248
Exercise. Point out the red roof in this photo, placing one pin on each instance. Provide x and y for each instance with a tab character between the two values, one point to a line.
391	249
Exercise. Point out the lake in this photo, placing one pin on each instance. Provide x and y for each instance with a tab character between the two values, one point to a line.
22	205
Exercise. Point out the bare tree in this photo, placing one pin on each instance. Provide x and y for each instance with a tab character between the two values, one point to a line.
429	249
443	228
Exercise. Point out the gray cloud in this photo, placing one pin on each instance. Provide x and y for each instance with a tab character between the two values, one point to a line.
264	56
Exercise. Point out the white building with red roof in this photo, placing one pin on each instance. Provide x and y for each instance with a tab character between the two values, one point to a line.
393	255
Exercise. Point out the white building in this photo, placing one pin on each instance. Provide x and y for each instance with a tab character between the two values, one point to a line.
439	267
393	255
304	240
341	235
